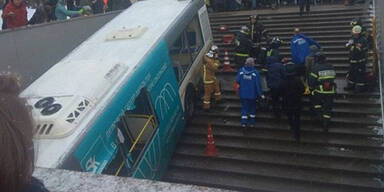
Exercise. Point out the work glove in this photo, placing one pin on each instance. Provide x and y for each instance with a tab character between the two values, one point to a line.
236	88
81	11
307	91
350	42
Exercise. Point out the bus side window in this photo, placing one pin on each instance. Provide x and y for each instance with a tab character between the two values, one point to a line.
133	131
186	48
180	56
195	38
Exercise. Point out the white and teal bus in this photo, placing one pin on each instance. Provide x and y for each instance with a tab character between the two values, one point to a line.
118	103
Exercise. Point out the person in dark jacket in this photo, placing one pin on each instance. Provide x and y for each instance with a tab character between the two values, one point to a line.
16	146
273	49
97	6
250	89
114	5
293	89
307	5
15	14
358	55
243	46
275	80
41	15
322	84
257	30
4	25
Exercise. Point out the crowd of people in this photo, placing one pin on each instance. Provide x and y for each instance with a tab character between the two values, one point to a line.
15	11
235	5
306	73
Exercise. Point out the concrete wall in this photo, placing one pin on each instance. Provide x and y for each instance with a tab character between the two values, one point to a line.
30	51
68	181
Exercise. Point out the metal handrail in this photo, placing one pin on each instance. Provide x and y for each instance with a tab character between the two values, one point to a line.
141	133
150	119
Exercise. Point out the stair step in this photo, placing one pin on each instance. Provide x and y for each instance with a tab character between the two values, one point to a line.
333	165
350	142
306	128
275	171
246	182
339	121
280	146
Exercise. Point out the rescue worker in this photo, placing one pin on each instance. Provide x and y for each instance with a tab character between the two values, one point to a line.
358	53
367	34
257	30
322	83
300	49
257	34
273	49
293	89
310	60
249	89
275	79
243	46
211	84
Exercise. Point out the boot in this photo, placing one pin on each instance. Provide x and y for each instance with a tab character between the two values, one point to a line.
325	125
349	87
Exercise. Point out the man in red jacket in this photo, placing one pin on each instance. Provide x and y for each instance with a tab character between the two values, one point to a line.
15	14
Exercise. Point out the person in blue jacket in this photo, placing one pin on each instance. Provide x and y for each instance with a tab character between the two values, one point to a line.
250	89
62	13
300	49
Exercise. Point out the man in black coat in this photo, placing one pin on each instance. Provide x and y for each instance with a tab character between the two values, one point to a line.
292	91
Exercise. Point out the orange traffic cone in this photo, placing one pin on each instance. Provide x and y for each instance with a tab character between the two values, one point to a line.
227	63
210	150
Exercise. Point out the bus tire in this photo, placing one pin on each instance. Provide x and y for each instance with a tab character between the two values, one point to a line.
189	102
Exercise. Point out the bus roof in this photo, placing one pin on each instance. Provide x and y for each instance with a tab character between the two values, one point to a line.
96	68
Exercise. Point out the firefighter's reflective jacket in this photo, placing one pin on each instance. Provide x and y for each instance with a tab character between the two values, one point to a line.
257	32
210	67
358	50
243	44
322	79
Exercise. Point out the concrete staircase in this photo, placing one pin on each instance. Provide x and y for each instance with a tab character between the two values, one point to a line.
350	158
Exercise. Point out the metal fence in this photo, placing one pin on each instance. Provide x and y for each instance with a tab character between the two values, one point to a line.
378	6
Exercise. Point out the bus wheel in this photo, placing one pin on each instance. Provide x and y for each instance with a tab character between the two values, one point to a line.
189	102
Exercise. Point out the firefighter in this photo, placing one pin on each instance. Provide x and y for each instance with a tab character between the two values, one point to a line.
367	34
358	53
321	82
258	33
211	84
249	89
273	49
243	46
257	30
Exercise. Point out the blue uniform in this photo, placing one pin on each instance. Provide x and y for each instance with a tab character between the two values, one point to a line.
249	90
300	48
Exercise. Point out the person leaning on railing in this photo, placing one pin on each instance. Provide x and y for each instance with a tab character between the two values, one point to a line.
16	145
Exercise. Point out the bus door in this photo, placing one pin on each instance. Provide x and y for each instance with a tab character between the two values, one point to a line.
133	131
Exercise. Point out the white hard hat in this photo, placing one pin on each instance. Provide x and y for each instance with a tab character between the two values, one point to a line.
209	54
214	48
